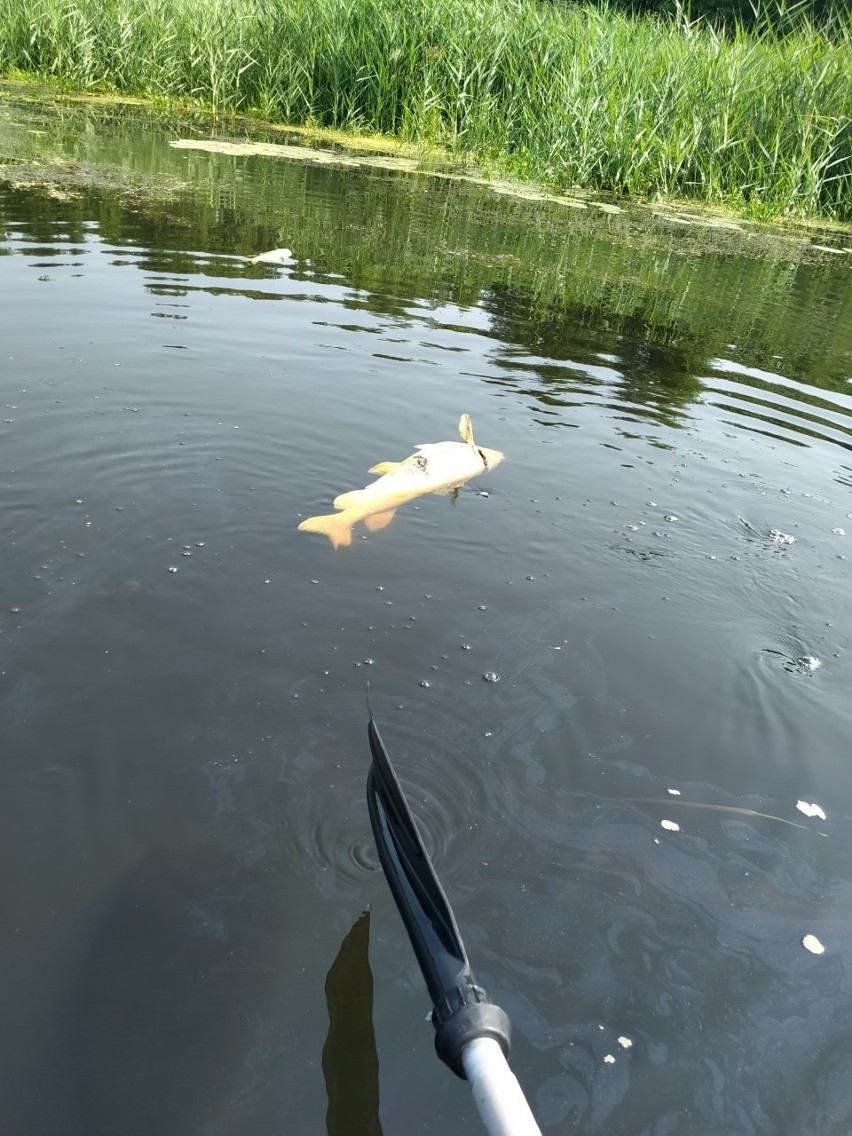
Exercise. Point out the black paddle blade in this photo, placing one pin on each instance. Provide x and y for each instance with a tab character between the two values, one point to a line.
461	1010
424	907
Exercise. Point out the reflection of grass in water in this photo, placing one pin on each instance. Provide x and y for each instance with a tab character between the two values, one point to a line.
669	298
569	95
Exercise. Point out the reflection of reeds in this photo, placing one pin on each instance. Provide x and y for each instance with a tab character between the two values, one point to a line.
570	95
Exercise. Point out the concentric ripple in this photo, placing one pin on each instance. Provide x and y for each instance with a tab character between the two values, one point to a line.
328	829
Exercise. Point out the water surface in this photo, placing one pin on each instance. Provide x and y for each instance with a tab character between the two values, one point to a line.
182	673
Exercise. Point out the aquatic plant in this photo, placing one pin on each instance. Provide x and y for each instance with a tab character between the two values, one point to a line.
564	94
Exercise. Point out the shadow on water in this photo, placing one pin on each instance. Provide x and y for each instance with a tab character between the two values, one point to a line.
350	1062
165	1033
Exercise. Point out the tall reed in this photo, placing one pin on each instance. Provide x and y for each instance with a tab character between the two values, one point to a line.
569	95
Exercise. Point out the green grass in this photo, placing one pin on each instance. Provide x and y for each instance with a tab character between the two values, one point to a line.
572	96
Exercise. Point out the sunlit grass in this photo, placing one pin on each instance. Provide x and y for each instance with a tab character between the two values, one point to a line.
568	95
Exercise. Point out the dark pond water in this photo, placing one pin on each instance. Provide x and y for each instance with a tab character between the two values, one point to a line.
658	573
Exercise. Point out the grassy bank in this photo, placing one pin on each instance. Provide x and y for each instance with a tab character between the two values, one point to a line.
571	96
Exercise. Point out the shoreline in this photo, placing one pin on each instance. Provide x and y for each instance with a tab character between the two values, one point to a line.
381	151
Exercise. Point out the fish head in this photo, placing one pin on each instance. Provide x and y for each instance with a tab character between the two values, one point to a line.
491	458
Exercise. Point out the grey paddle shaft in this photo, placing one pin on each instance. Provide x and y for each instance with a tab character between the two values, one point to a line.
496	1092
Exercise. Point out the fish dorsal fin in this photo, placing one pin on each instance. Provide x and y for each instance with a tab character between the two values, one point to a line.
466	430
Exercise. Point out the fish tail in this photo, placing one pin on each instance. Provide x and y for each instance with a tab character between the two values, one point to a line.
335	526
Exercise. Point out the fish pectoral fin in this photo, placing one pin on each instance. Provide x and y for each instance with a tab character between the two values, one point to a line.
384	467
347	500
379	520
466	429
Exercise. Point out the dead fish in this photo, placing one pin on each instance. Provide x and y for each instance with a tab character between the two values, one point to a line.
274	256
437	467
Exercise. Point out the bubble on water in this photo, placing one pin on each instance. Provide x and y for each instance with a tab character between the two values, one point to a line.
425	683
530	577
187	546
671	517
839	532
15	610
314	581
651	504
172	568
632	528
778	537
368	662
200	543
482	607
810	809
808	663
674	792
465	646
380	588
811	943
670	825
491	676
186	552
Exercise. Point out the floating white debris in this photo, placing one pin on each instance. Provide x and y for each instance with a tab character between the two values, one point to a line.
674	792
625	1042
810	809
274	256
609	1059
811	943
778	537
839	532
670	825
808	663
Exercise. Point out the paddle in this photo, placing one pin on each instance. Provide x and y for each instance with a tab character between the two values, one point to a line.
471	1033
